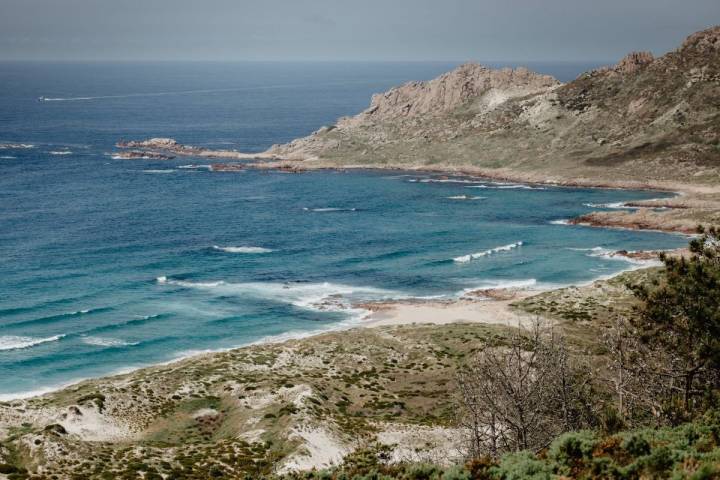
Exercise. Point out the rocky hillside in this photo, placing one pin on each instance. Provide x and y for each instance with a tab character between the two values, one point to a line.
644	120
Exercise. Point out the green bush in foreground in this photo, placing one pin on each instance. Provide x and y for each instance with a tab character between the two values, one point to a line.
690	451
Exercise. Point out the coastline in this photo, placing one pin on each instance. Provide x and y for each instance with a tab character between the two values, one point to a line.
691	204
489	309
486	306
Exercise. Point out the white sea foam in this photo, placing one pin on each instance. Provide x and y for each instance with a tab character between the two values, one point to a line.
607	254
473	256
500	284
465	197
446	180
312	296
195	167
12	342
329	209
497	186
60	152
158	171
105	342
562	221
243	249
4	146
614	205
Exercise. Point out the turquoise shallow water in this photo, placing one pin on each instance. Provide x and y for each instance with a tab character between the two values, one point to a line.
109	264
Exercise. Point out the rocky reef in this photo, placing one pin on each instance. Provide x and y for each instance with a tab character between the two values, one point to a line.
155	145
141	155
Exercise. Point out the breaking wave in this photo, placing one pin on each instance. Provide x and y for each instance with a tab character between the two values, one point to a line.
242	249
13	342
329	297
60	152
465	197
158	171
608	254
105	342
473	256
4	146
329	209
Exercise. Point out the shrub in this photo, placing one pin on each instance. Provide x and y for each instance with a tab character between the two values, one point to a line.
456	473
572	448
522	466
637	445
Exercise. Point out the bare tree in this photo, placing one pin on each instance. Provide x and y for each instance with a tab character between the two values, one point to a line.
648	379
521	395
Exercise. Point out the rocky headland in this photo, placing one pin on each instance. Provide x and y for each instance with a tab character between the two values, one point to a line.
645	122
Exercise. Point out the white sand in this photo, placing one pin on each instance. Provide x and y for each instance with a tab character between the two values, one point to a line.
491	311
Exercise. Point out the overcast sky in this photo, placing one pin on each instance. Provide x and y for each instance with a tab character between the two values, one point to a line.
504	30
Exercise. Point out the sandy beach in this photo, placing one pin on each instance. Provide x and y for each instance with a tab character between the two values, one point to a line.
492	307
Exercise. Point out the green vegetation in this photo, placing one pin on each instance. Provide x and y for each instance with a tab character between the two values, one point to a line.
600	391
690	451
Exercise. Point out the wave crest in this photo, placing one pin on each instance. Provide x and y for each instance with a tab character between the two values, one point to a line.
331	297
465	197
242	249
473	256
13	342
329	209
105	341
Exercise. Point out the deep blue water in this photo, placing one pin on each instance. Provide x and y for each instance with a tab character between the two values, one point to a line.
111	264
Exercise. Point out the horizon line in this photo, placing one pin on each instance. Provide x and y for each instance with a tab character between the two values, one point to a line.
458	61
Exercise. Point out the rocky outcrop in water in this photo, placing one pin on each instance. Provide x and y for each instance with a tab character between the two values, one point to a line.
153	145
141	155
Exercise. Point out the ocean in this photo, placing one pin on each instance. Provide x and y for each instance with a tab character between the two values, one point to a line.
108	265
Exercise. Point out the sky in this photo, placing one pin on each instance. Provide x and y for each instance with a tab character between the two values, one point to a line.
357	30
